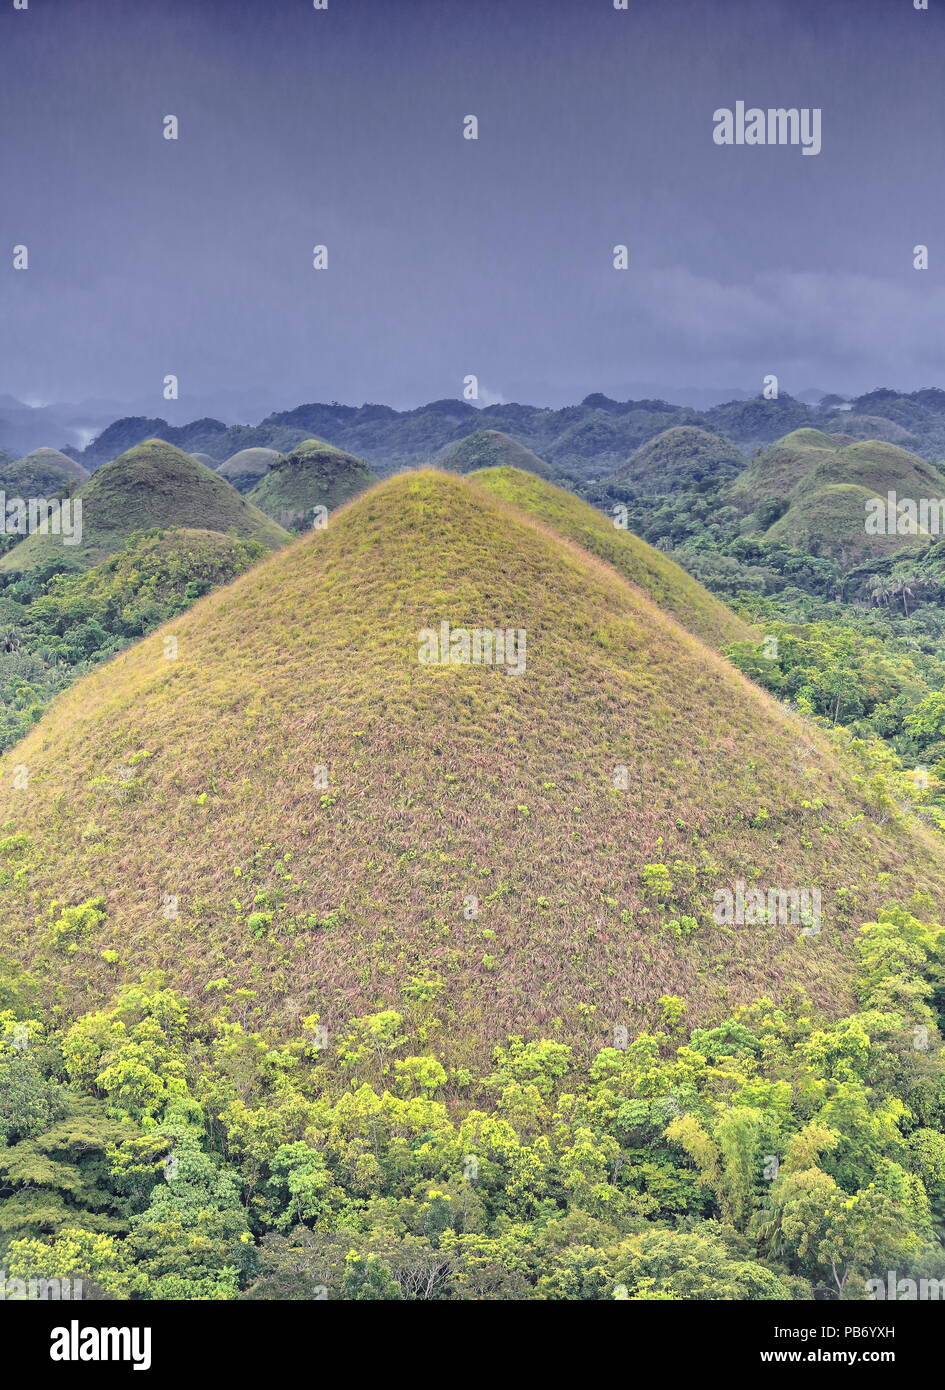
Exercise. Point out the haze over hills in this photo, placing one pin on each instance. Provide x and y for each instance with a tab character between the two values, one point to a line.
153	484
313	474
440	782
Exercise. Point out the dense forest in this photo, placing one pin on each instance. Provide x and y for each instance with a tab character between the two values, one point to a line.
772	1156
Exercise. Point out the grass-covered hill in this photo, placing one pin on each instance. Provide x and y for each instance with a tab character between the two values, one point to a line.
43	473
828	520
153	484
293	802
660	578
245	468
775	472
809	490
491	449
313	474
679	457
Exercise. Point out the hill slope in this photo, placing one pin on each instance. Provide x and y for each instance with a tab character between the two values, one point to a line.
491	449
313	474
659	577
153	484
474	845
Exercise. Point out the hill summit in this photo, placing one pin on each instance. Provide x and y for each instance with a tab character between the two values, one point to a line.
436	751
153	484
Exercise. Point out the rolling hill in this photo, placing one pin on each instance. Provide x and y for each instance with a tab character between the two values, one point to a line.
43	473
491	449
274	789
810	490
311	475
153	484
679	457
665	582
245	468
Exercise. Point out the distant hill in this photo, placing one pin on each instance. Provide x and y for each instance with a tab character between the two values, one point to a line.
810	489
679	457
205	459
244	469
43	473
875	427
589	440
660	578
310	475
491	449
210	438
153	484
589	807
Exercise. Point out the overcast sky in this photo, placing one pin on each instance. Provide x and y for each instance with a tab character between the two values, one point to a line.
450	256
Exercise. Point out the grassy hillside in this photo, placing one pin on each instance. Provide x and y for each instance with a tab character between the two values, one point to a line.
679	457
810	490
245	468
776	472
492	449
659	577
311	475
153	484
829	520
43	473
537	853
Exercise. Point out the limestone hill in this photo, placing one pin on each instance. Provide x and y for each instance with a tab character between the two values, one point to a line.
683	456
43	473
810	490
313	474
273	789
244	469
492	449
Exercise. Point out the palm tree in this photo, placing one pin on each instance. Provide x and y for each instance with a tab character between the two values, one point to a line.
881	588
